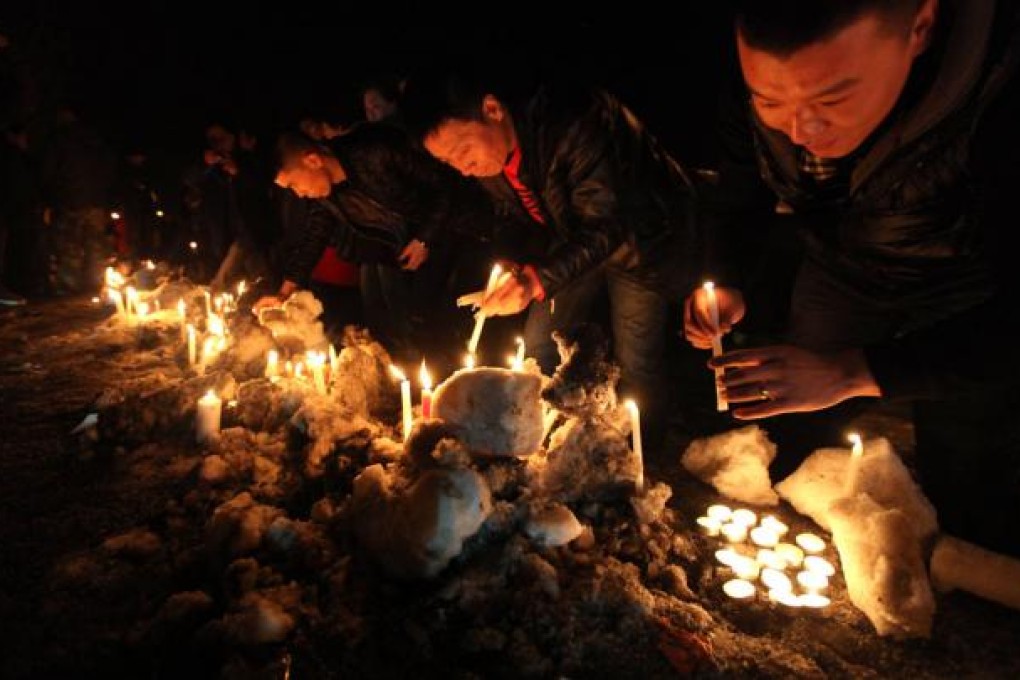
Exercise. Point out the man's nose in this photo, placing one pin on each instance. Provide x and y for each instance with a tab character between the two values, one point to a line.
806	125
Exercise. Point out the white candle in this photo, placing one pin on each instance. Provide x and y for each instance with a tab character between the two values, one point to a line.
785	597
635	431
334	362
272	363
727	556
819	565
790	553
518	363
771	559
709	525
739	589
207	417
317	362
426	390
774	524
405	400
713	312
854	463
469	360
734	533
745	517
719	512
744	567
765	537
192	349
810	543
774	579
182	312
476	334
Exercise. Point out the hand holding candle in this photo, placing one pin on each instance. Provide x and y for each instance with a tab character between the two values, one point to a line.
713	313
405	399
476	334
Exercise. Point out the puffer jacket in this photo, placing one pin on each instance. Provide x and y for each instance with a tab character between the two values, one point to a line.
601	180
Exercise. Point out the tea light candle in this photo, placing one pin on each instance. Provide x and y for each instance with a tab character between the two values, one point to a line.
744	567
207	417
709	526
727	556
774	524
719	512
745	517
790	553
713	313
774	579
765	537
426	390
739	589
734	533
810	543
813	600
769	558
785	597
812	580
819	565
635	431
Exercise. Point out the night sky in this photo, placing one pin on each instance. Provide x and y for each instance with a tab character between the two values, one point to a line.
152	74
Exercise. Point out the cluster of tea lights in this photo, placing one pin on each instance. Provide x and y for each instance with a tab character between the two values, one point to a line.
791	574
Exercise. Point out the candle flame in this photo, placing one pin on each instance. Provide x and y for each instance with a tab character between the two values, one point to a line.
193	245
469	360
858	444
241	288
397	373
115	216
424	377
708	285
159	213
631	406
181	308
211	394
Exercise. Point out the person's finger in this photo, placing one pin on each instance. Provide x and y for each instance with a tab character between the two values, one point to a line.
744	357
763	409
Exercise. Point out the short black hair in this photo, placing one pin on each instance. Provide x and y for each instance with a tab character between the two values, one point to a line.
292	144
782	27
438	94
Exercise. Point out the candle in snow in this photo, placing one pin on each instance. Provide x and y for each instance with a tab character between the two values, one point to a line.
810	543
765	537
182	312
713	313
719	512
854	463
272	363
207	417
476	334
518	363
405	400
738	589
469	360
426	390
635	431
192	349
317	362
709	526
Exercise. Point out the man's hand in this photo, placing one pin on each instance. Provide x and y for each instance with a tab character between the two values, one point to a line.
267	302
788	379
698	328
413	255
513	293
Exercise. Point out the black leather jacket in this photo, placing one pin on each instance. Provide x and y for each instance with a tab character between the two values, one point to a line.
393	192
602	180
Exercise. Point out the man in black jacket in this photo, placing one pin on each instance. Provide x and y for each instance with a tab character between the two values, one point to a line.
578	171
886	132
377	200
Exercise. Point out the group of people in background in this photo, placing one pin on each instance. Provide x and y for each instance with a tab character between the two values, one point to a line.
870	143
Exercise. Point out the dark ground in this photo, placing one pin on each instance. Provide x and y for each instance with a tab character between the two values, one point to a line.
56	506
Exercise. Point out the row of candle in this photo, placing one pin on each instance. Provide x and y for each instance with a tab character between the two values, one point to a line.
771	559
317	364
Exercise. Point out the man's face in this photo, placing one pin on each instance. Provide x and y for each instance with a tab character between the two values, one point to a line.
476	148
306	176
377	107
220	139
831	95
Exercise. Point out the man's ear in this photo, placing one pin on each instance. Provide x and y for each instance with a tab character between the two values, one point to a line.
312	160
492	108
923	26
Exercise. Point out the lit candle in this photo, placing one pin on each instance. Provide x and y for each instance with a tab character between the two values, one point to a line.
713	313
854	463
131	299
813	600
774	524
790	553
288	369
810	543
182	312
215	326
709	526
734	533
426	391
774	579
719	512
192	349
193	245
317	362
299	370
819	565
242	287
785	597
334	362
476	334
518	363
635	430
813	580
272	363
745	517
142	308
207	417
727	556
744	567
405	399
771	559
765	537
739	589
469	360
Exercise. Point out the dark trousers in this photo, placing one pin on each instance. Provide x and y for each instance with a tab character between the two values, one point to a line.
638	318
